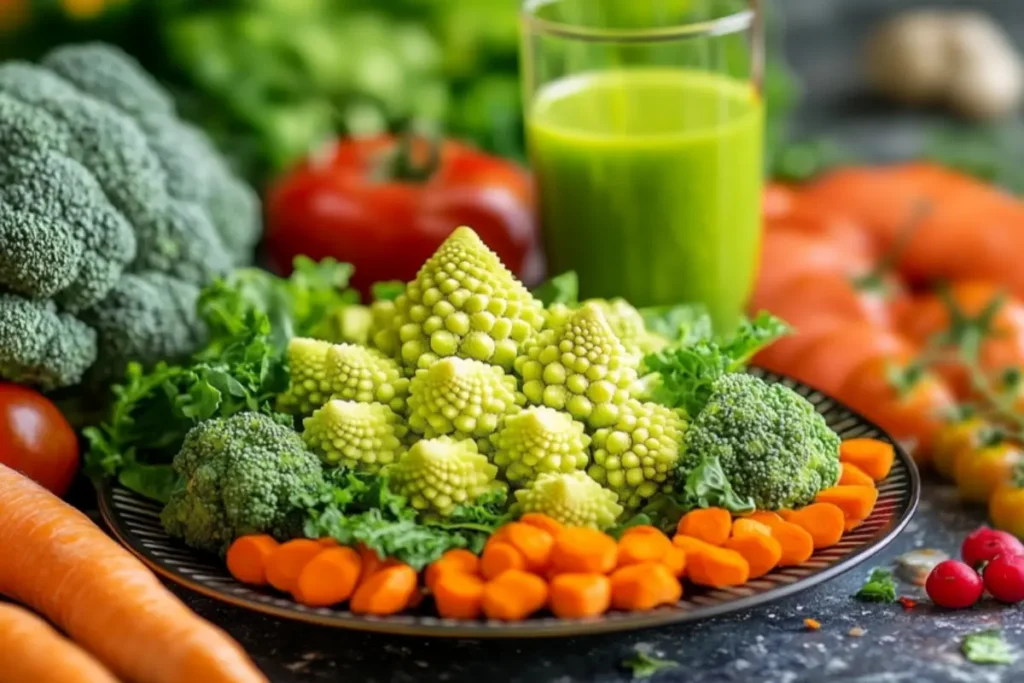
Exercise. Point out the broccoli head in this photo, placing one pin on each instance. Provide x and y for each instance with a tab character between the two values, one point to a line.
99	182
464	302
771	443
572	498
243	474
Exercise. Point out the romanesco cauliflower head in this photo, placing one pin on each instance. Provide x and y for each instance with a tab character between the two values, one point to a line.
772	444
539	440
628	325
437	475
241	475
464	303
310	385
321	371
383	333
580	367
464	398
360	436
100	181
637	456
572	498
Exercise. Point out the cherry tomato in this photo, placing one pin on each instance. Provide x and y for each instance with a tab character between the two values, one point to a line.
952	439
354	203
1006	509
1004	578
912	415
954	585
984	545
826	363
35	439
981	471
1004	348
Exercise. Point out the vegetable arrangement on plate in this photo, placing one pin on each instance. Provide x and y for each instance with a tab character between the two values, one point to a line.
334	451
904	289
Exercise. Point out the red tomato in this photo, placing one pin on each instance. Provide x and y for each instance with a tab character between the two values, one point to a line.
787	253
1004	348
351	204
803	299
912	416
810	217
35	439
829	360
777	200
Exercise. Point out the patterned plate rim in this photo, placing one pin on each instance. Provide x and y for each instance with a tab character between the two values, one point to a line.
134	521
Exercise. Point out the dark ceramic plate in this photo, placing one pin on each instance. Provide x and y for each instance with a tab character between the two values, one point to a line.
135	522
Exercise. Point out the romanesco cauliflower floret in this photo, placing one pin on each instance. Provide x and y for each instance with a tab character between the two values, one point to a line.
360	436
624	320
359	373
42	346
580	367
321	371
464	398
538	440
465	303
772	444
310	385
572	498
383	332
241	475
436	475
636	457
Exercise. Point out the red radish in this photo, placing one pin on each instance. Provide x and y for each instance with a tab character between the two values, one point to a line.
985	544
954	585
1004	578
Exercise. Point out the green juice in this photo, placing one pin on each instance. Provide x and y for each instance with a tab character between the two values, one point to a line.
649	184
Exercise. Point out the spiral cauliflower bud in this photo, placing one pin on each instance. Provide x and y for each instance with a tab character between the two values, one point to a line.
464	398
580	367
437	475
360	436
538	440
572	498
321	371
383	334
464	303
637	456
628	325
358	373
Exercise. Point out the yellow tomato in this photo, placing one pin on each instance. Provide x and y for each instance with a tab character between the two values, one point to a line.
1006	509
980	471
952	439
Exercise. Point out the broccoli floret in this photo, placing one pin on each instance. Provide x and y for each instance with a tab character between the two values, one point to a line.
580	367
464	303
437	475
359	436
101	183
636	457
538	440
321	371
772	444
572	498
41	346
240	475
147	317
464	398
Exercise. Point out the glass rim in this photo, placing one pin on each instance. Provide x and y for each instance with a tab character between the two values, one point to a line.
729	24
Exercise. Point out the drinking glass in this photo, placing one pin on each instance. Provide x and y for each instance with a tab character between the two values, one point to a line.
645	134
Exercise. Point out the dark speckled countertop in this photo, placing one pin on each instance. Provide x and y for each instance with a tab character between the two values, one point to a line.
768	644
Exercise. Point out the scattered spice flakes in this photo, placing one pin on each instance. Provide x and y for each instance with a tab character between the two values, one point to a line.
812	624
856	632
916	565
908	603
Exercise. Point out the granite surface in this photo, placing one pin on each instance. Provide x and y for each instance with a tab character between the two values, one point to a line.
768	644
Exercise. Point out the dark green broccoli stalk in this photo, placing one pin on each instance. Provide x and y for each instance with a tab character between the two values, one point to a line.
245	474
771	443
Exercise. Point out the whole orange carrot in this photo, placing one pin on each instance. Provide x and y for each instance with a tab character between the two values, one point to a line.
61	564
34	652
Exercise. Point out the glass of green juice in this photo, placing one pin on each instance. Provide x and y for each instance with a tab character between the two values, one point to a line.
645	132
